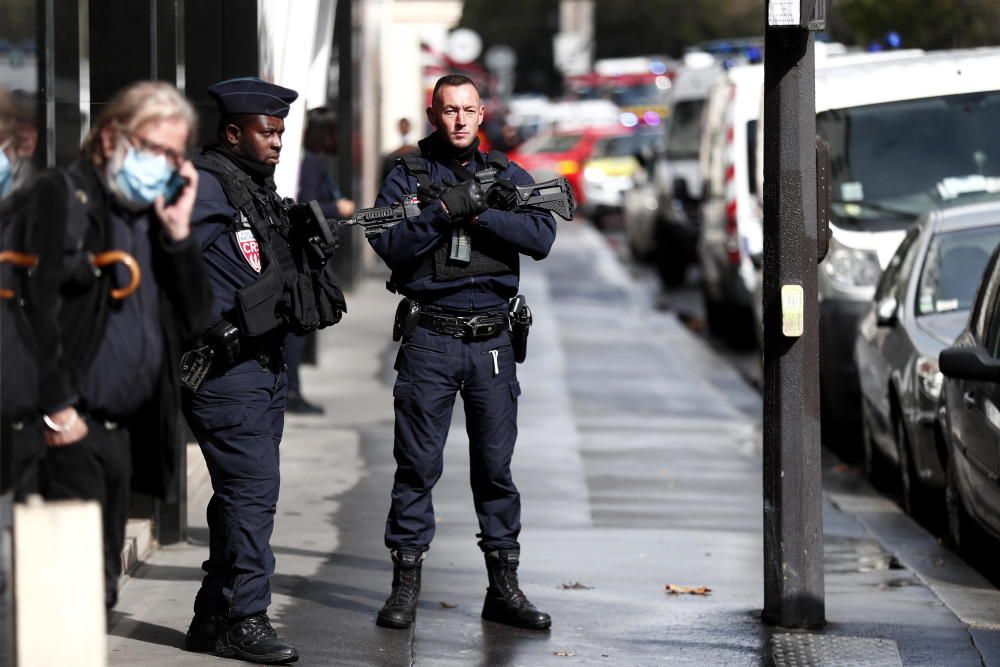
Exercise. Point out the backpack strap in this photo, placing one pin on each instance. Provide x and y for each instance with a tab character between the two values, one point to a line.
498	160
416	166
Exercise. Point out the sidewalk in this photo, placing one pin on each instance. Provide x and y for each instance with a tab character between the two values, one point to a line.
638	462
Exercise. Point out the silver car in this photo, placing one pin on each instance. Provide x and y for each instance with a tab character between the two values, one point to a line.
921	305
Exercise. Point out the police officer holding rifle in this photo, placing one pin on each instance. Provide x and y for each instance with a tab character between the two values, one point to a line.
455	258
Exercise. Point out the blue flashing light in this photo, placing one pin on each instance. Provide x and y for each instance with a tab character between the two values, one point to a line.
650	117
755	55
657	67
875	47
893	39
629	119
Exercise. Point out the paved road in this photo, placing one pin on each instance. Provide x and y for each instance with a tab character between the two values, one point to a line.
638	460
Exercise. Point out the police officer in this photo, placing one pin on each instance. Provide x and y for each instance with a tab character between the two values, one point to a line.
458	260
237	413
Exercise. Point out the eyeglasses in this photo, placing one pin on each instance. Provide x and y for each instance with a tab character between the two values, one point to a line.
173	157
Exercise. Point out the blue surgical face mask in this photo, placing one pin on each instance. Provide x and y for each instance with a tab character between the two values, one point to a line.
6	173
144	176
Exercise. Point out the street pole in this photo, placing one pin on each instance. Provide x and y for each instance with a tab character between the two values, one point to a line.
793	530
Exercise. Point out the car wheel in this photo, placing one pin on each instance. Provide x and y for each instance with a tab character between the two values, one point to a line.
913	495
873	461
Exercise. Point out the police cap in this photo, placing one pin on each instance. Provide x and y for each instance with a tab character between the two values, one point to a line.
250	95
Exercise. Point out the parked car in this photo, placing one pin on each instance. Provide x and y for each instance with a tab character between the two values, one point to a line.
670	227
553	154
921	304
732	233
611	169
907	133
970	419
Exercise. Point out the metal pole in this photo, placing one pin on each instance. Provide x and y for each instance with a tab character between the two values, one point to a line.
793	531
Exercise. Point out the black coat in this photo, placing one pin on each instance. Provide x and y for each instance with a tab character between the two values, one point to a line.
69	325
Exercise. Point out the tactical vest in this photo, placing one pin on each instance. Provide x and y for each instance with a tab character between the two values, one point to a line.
265	304
490	255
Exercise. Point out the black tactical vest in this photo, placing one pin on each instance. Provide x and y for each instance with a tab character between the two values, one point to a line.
261	306
490	255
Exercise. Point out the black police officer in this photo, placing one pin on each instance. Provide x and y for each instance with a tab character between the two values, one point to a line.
444	354
237	413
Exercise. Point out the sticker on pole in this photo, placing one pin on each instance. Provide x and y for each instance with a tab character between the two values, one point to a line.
783	13
249	247
792	311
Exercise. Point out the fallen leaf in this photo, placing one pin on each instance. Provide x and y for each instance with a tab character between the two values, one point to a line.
575	586
564	654
448	605
674	589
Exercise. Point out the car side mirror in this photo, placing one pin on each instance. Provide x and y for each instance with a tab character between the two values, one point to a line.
969	363
887	312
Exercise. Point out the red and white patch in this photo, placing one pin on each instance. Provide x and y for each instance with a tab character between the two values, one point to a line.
249	247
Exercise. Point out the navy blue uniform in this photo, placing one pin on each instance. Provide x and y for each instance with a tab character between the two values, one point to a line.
433	368
238	418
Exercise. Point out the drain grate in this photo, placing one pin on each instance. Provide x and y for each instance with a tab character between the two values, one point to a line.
813	650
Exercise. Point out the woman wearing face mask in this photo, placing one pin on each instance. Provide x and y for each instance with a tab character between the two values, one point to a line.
110	336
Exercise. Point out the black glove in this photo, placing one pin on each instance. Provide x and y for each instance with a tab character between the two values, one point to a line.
464	200
224	339
329	298
429	193
502	195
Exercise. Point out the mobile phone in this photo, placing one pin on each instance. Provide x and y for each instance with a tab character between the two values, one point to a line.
175	186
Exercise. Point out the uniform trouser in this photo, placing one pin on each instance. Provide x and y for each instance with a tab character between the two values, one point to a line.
238	418
431	369
96	468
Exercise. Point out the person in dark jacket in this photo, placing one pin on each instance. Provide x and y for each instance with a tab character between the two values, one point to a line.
316	182
111	326
459	261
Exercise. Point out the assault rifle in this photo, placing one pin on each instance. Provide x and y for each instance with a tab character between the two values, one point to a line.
319	234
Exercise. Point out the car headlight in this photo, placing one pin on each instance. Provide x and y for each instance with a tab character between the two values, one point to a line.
594	175
851	267
930	378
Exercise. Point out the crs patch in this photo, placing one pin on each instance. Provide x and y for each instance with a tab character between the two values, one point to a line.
249	247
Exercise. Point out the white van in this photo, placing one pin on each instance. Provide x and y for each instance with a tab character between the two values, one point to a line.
907	135
731	217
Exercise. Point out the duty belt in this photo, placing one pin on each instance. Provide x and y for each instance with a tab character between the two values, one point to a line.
473	327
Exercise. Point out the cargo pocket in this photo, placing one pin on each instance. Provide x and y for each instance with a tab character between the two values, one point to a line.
515	390
402	392
217	417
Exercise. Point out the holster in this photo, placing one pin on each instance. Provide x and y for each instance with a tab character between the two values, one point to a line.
520	325
406	320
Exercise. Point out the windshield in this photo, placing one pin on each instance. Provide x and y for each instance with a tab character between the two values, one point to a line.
952	269
897	160
624	146
645	93
685	130
556	143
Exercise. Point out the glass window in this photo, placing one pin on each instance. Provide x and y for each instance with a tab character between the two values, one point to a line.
898	160
952	269
685	130
887	282
555	143
752	156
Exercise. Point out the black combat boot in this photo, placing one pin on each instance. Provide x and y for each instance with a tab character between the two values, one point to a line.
400	609
505	603
254	640
203	632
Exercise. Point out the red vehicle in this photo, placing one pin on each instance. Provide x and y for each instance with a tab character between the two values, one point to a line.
555	154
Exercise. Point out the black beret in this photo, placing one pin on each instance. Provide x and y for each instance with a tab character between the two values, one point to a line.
250	95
